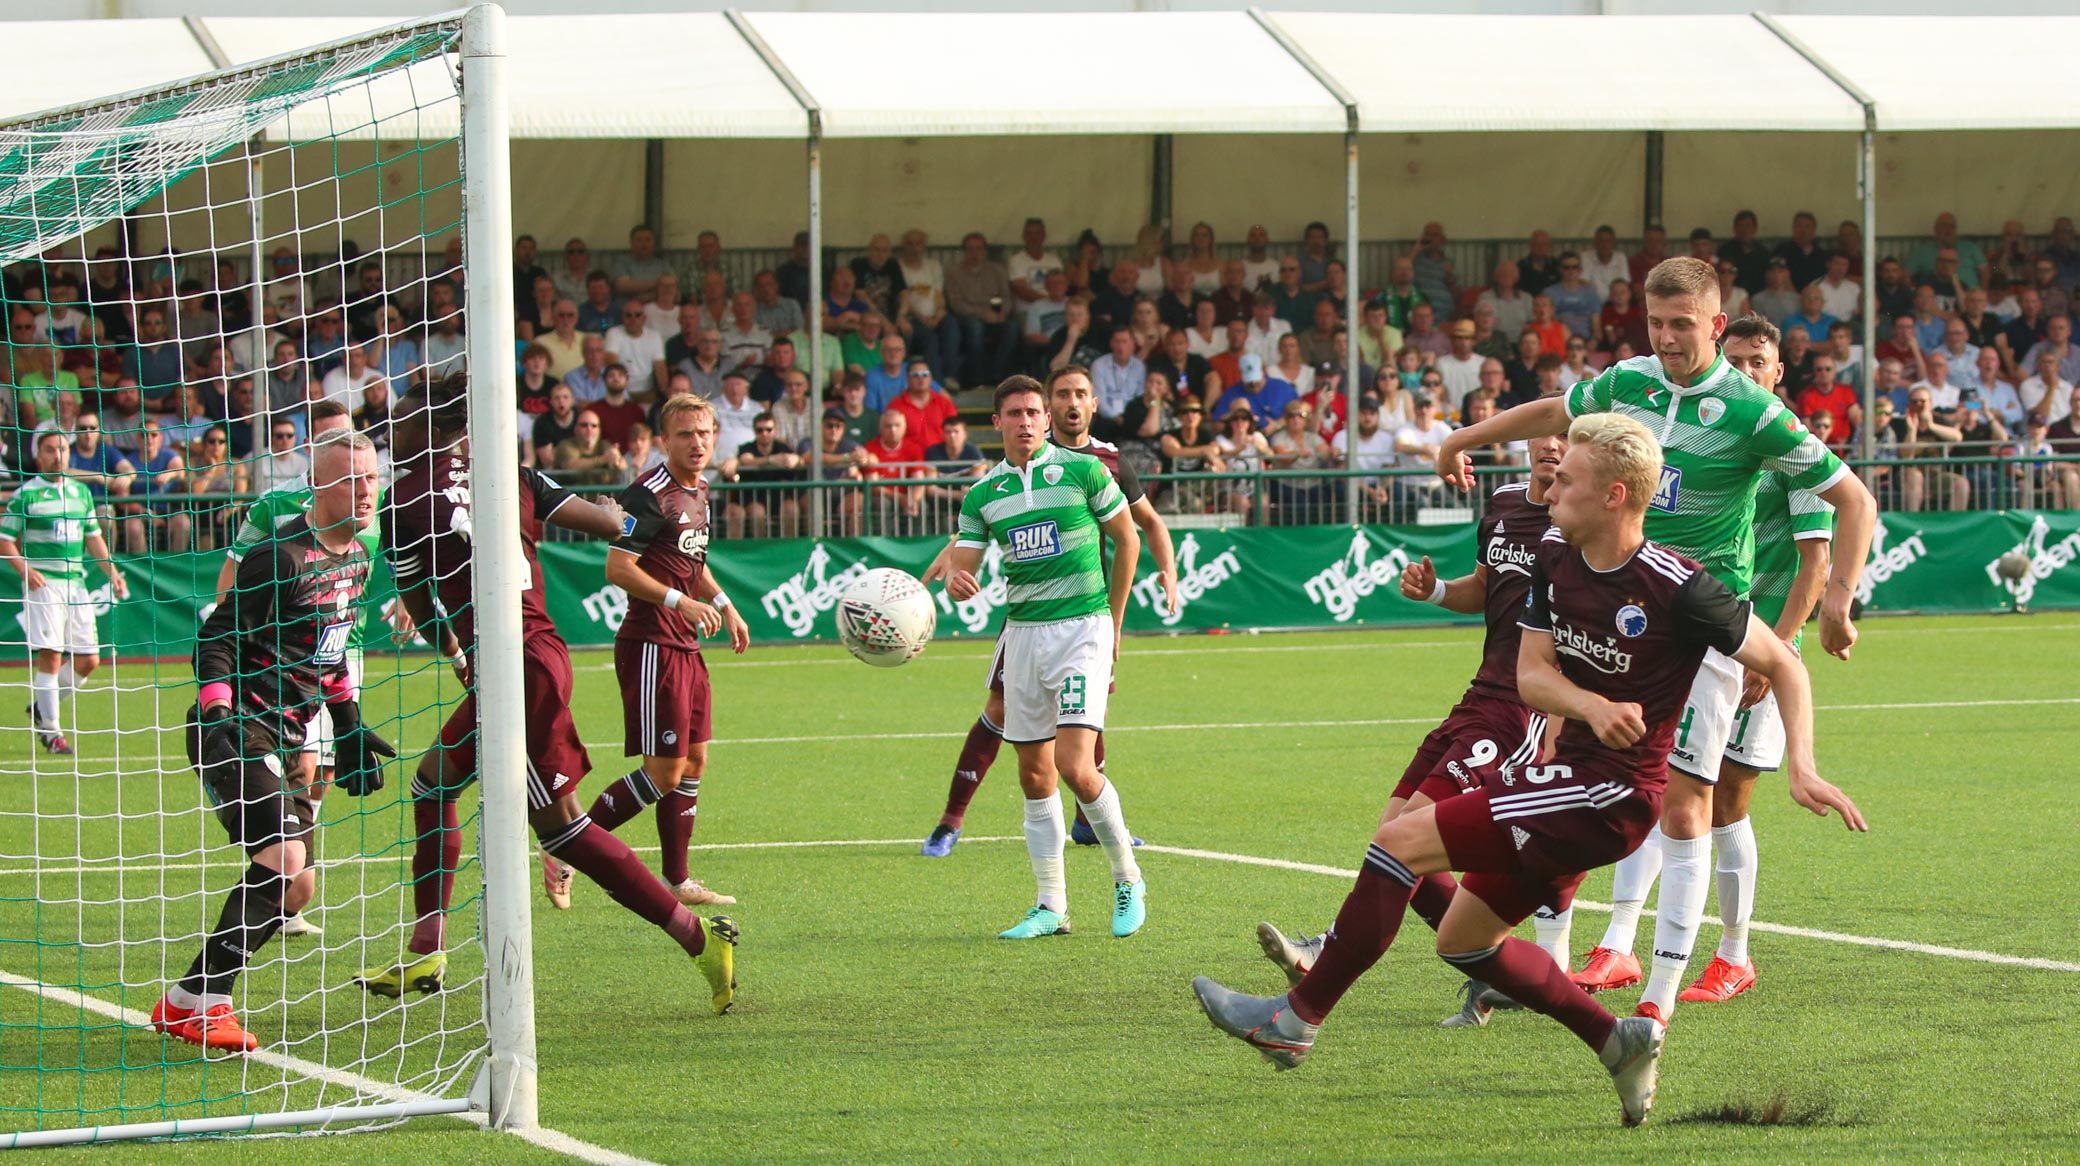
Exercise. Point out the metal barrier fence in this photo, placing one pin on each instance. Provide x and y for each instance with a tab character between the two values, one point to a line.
1405	496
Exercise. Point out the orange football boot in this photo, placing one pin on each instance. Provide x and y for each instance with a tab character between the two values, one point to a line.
1607	969
1721	981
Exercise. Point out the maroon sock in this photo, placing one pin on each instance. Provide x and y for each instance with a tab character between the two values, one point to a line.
676	813
1433	894
1526	974
977	754
608	861
621	801
436	852
1364	930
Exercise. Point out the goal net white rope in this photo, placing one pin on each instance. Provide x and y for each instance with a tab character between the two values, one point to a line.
192	276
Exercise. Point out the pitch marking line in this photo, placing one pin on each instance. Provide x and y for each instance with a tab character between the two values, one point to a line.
1956	953
552	1140
1363	722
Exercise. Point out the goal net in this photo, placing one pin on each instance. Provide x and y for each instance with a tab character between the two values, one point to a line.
189	273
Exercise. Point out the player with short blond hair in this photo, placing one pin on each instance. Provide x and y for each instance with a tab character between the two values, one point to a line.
1614	630
1719	432
661	561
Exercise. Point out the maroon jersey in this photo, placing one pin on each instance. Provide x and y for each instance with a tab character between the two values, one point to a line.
1108	453
1635	633
666	528
1510	533
427	534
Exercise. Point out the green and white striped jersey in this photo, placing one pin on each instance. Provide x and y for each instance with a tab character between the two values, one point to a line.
1045	520
1784	516
1717	437
51	520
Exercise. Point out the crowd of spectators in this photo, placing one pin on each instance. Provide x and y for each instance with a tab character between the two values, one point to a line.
1203	360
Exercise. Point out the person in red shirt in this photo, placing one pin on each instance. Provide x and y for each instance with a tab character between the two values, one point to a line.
1552	334
892	455
617	411
1622	319
923	405
1824	394
1228	365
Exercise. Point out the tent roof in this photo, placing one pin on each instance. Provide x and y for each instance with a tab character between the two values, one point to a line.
574	76
938	74
1439	74
1891	61
56	63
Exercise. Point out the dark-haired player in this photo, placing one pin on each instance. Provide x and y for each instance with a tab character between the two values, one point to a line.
427	532
1489	733
1614	630
661	560
1071	408
268	659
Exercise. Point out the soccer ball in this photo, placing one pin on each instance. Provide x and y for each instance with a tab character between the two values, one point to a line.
886	617
2013	566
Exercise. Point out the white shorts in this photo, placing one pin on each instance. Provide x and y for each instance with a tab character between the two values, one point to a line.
1708	717
1758	736
1056	675
317	735
59	617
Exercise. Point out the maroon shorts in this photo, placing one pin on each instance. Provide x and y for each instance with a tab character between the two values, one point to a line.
556	758
665	702
996	670
1481	737
1526	842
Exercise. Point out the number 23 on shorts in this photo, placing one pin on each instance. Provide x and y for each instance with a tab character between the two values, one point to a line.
1073	695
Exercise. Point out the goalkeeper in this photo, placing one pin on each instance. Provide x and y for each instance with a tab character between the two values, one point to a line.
270	659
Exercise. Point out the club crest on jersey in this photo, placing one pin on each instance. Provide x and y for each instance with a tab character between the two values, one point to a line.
1710	410
1041	540
1669	489
1632	620
1051	475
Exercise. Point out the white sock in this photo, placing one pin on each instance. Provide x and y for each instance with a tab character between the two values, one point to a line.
43	693
1554	933
1683	891
1630	882
68	681
1046	835
180	997
1737	865
1110	825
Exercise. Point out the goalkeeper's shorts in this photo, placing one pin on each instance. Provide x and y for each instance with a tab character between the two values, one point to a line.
261	801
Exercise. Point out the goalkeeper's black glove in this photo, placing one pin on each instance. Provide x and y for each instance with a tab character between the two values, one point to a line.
221	744
358	753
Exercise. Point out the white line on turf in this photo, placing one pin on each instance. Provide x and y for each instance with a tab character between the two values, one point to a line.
943	656
1961	953
553	1140
1956	953
1353	723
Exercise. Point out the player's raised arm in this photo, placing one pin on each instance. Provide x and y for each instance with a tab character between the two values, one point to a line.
1157	535
1467	595
1541	418
1855	517
1765	653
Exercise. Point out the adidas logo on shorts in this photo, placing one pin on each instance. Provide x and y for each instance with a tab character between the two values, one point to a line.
1520	834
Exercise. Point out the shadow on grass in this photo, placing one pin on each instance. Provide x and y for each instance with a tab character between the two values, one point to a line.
1777	1110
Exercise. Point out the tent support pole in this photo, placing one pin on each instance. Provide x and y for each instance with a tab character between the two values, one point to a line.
1160	183
814	113
1650	202
1353	283
653	186
1867	188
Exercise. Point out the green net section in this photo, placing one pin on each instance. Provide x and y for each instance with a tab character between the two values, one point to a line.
189	275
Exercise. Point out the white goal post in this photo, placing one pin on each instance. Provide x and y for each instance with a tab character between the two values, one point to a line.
174	204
